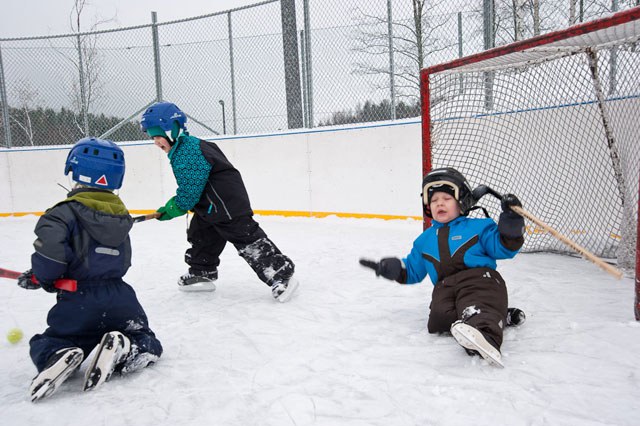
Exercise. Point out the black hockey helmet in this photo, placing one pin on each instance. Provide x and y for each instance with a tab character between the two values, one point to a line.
451	181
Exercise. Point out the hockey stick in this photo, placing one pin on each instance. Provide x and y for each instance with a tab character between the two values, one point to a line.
483	189
66	283
61	284
154	215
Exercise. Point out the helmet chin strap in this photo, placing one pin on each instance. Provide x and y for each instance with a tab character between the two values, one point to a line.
72	183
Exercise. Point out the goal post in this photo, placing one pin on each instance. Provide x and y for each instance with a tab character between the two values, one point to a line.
554	119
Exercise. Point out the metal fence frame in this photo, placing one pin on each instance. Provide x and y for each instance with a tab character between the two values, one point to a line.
307	72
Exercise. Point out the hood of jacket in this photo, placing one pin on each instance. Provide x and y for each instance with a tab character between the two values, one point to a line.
102	214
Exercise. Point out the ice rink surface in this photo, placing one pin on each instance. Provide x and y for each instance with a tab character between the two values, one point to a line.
348	349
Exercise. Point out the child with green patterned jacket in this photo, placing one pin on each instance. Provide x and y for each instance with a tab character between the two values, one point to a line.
210	186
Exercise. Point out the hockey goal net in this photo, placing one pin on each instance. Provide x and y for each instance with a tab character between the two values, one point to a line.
555	120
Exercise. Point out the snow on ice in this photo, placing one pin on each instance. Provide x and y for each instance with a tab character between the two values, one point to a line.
348	349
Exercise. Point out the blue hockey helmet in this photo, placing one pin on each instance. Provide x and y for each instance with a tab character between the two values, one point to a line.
451	181
96	162
163	118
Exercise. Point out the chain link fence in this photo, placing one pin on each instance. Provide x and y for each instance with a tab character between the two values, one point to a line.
352	61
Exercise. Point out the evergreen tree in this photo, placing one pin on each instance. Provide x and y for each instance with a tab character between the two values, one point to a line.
371	111
50	127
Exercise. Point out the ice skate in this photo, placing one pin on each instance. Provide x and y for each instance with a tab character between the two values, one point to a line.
472	339
112	351
198	281
58	369
136	360
515	317
283	291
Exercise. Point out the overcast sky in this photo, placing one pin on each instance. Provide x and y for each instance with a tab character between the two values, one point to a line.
23	18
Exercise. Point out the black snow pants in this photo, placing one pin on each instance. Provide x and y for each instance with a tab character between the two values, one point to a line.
477	296
208	240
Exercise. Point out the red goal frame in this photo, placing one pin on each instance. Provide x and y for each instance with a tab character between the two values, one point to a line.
616	25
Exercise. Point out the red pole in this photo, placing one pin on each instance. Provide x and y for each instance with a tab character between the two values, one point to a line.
425	97
637	302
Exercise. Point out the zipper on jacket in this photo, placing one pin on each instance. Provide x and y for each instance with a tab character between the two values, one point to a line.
211	205
219	198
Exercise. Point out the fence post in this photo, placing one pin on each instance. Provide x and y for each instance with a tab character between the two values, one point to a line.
613	59
233	75
156	56
392	68
305	87
307	41
5	106
637	271
291	64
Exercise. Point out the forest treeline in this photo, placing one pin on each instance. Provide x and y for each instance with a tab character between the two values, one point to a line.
46	126
371	111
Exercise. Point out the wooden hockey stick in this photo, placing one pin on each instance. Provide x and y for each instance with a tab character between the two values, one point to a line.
61	284
583	251
482	190
153	215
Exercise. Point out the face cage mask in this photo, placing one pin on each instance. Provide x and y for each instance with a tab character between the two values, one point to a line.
438	184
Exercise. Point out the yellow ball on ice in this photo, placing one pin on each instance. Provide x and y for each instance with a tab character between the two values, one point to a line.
14	335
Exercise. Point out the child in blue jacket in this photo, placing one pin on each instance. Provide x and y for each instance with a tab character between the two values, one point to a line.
86	238
459	254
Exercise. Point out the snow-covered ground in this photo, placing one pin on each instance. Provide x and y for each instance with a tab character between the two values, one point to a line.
348	349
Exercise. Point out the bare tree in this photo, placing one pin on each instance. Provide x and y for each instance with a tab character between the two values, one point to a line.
27	99
573	18
414	40
88	88
563	13
518	19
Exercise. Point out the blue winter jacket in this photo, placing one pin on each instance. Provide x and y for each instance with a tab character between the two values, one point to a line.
472	243
85	238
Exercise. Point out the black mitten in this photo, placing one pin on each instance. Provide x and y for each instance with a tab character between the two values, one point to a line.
388	267
510	224
509	200
48	286
25	281
28	281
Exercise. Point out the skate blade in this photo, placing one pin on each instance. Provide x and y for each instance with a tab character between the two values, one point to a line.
468	337
292	286
103	363
67	365
198	287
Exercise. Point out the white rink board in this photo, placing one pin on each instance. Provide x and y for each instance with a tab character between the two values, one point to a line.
361	170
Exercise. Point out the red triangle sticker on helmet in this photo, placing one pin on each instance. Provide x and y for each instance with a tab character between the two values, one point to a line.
102	181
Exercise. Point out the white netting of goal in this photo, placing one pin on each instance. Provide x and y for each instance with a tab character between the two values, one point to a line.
557	124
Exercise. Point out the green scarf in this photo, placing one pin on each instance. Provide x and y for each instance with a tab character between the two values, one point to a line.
103	201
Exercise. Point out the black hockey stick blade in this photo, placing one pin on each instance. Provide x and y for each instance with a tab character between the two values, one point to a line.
154	215
369	263
483	190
